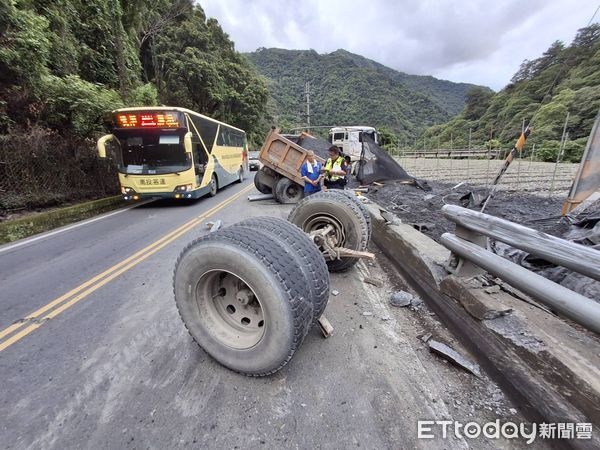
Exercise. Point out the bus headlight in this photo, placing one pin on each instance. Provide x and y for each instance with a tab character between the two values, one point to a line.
126	190
184	188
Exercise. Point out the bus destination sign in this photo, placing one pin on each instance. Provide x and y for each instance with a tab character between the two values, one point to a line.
147	120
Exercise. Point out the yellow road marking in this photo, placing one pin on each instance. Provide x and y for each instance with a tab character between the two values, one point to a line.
105	277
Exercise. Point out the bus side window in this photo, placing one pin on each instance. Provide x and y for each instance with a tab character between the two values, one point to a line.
207	130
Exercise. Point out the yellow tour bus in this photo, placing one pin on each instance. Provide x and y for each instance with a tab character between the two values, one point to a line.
168	152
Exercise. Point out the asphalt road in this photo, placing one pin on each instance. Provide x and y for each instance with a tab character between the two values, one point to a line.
93	353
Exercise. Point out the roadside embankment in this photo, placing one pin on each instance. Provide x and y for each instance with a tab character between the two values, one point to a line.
12	230
547	365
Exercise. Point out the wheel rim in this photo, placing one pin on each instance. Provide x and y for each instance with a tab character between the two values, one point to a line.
292	191
336	238
213	185
231	310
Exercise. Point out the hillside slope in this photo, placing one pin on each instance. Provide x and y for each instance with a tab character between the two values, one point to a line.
565	79
351	89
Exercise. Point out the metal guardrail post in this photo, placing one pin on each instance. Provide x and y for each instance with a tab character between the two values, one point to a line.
577	257
575	306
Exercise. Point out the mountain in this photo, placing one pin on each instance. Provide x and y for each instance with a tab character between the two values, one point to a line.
564	80
349	89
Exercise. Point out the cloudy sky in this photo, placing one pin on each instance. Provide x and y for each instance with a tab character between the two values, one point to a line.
476	41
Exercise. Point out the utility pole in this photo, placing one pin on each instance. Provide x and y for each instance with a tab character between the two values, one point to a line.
307	96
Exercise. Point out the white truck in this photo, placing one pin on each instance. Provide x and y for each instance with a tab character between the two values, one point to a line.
348	139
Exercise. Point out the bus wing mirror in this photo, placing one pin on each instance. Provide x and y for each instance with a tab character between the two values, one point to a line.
102	145
187	142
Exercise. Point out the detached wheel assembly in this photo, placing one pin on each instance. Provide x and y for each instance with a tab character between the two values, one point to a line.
248	294
337	226
244	296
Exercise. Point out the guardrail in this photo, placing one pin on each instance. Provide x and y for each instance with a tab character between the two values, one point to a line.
452	153
469	244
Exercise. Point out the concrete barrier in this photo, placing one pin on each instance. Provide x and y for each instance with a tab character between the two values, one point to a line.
12	230
548	367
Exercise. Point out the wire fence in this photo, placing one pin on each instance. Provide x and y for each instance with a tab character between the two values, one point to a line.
480	166
40	168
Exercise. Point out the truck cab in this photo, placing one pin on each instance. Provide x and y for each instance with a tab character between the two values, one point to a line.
348	139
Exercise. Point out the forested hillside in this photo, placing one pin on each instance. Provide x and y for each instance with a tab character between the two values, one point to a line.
565	79
65	63
350	89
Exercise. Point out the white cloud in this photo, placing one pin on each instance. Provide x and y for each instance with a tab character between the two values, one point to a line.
477	41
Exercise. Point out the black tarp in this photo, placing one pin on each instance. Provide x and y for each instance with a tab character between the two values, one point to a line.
377	165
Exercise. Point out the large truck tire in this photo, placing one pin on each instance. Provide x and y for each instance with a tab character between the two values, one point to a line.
328	208
287	191
243	299
304	249
262	182
350	194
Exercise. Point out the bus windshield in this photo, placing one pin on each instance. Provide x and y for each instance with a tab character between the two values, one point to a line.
152	153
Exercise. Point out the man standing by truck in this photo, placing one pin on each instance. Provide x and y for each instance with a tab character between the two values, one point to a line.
311	174
335	169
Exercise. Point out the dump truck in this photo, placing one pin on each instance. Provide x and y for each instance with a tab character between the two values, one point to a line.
281	160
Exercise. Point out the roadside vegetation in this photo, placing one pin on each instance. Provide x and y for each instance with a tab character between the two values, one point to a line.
565	79
65	63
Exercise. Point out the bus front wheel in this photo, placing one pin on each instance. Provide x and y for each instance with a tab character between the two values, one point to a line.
214	185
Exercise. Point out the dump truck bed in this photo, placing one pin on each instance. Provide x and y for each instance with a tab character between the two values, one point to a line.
284	156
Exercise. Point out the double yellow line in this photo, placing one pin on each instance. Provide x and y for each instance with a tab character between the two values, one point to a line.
36	319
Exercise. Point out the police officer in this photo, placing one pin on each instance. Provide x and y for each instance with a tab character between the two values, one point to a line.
335	169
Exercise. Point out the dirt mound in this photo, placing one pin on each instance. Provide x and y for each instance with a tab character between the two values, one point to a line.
423	210
415	206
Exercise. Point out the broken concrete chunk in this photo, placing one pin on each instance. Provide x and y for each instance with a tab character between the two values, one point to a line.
373	281
401	298
215	225
334	292
453	356
492	289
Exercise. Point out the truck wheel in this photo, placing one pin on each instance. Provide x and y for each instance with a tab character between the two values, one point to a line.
308	254
329	210
243	300
263	181
350	194
287	191
214	185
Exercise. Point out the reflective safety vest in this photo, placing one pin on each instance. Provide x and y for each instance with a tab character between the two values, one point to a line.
337	165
